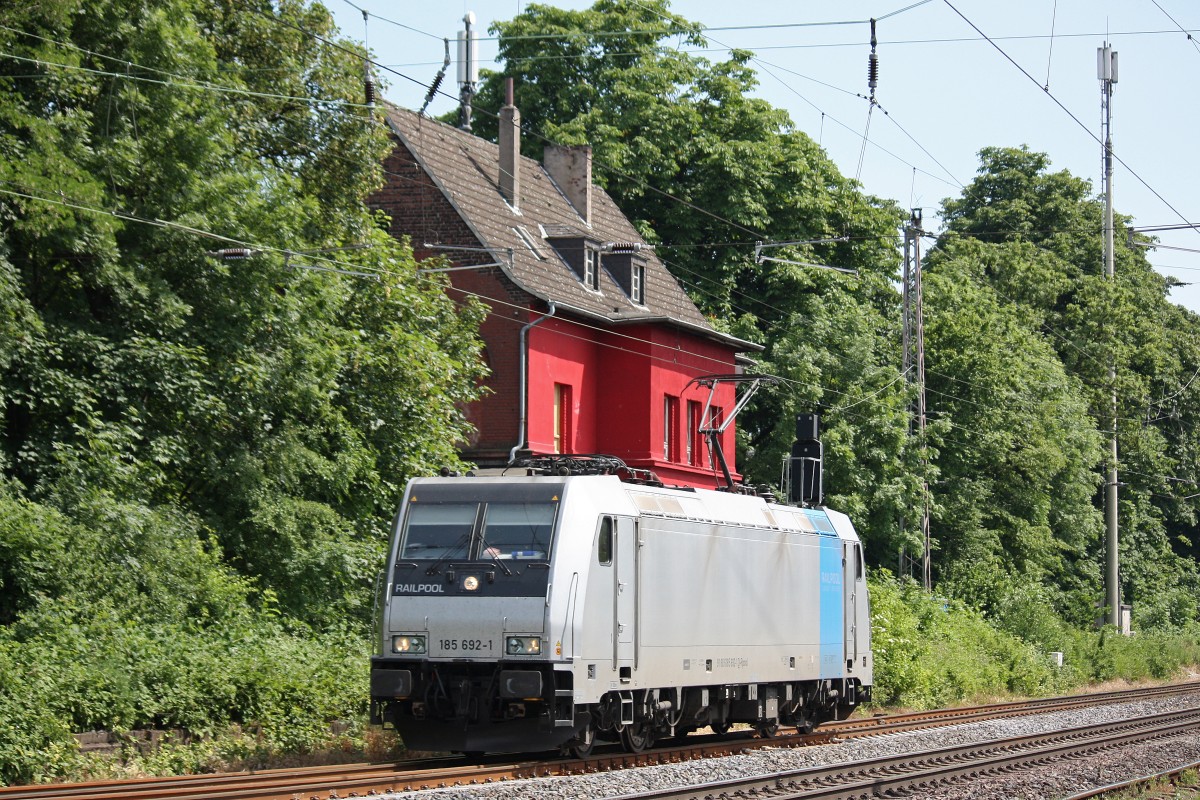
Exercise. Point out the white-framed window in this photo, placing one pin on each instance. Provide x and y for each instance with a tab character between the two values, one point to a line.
591	271
637	284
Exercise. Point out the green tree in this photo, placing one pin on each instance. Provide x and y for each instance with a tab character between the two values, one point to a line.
1018	450
266	398
684	149
1031	241
201	456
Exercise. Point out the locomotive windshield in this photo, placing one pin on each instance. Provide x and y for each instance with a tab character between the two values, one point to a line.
517	530
495	525
439	530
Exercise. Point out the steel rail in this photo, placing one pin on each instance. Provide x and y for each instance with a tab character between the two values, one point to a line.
955	716
895	775
1136	783
340	780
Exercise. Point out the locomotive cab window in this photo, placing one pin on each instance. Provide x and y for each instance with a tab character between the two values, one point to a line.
442	530
604	541
517	530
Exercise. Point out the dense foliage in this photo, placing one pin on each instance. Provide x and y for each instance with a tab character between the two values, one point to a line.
200	456
934	651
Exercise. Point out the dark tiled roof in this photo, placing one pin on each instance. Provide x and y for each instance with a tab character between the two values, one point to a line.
467	170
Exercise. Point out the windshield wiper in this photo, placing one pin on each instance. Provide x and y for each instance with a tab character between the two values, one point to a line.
493	555
450	553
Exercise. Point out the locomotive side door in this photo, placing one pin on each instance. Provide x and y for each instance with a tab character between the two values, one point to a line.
625	559
851	570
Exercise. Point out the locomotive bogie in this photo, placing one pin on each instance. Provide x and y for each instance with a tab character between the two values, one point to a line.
552	612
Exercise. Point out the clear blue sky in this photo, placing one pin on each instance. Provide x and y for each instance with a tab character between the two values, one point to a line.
947	91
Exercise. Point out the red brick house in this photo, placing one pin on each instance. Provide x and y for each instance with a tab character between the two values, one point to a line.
590	340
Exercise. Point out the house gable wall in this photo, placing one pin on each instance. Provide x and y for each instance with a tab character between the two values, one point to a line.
618	380
420	211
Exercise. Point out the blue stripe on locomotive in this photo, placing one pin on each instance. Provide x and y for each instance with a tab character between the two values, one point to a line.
833	627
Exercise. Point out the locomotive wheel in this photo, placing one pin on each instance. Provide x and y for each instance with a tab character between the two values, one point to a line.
767	729
720	728
583	744
804	724
635	738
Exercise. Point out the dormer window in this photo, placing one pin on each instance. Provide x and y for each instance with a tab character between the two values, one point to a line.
628	269
580	253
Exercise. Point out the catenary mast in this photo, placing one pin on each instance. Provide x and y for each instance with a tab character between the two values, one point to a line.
1106	68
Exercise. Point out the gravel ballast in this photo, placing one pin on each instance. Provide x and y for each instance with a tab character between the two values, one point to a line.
1055	780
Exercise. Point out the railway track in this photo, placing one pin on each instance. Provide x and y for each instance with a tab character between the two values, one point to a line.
1158	785
897	775
322	783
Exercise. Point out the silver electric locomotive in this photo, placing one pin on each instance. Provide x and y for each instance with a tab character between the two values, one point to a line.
540	612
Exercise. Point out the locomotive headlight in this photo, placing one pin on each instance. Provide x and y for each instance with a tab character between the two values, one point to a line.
523	646
408	644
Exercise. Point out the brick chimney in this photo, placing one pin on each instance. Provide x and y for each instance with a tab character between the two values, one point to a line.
571	169
510	148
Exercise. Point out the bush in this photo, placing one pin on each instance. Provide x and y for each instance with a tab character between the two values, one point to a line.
248	693
931	651
123	618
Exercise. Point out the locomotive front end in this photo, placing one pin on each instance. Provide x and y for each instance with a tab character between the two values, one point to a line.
465	661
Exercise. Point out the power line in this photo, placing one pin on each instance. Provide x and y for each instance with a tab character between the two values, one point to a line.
208	87
764	65
261	95
1191	38
900	11
524	129
1050	54
386	172
407	179
484	298
392	21
658	32
1045	326
867	398
813	46
254	246
1069	113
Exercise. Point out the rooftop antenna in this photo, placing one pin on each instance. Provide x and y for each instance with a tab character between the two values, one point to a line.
468	68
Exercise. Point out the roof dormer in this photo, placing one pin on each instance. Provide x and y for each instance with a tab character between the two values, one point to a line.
628	268
581	253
